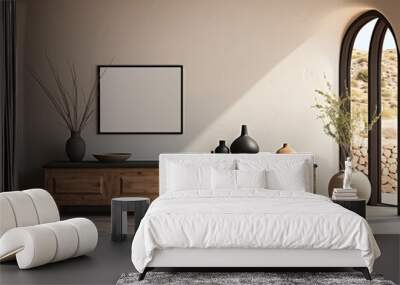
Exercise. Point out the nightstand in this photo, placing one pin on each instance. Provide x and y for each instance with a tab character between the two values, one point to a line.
357	206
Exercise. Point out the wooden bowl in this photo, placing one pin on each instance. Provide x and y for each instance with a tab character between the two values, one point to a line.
112	157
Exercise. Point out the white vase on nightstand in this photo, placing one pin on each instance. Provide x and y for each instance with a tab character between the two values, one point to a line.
361	182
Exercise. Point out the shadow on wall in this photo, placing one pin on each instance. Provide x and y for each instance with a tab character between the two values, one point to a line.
241	63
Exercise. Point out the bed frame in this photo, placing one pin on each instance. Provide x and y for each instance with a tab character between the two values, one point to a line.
260	259
236	259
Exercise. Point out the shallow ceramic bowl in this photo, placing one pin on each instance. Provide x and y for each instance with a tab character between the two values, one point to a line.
112	157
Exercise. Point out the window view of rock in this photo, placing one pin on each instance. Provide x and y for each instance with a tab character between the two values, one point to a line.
389	108
359	92
359	99
389	128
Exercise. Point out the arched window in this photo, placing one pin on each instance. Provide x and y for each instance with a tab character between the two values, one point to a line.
369	70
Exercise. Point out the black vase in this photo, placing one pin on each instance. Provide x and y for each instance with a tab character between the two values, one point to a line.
244	143
221	148
75	147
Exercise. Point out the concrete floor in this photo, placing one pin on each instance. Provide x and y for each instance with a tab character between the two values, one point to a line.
111	259
383	220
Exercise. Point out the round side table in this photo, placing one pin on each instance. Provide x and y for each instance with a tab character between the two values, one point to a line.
119	219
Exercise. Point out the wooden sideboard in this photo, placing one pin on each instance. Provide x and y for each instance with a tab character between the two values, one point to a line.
92	183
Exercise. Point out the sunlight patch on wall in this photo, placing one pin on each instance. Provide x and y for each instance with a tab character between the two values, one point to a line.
277	108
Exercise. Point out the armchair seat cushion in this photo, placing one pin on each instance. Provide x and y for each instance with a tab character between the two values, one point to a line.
40	244
31	231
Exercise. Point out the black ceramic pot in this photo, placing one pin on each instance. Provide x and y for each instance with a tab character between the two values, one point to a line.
221	148
75	147
244	143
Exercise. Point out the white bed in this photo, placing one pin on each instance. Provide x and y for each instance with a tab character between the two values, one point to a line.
201	223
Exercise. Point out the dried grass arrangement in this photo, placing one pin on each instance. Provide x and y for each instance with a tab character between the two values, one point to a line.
338	122
74	107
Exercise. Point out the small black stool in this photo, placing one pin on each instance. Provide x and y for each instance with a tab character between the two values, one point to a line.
119	218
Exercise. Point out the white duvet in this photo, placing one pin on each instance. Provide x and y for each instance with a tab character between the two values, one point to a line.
250	219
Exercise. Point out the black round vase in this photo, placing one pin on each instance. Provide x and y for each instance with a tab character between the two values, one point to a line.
75	147
244	143
221	148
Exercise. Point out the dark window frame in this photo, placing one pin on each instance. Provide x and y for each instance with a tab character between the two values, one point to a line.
374	92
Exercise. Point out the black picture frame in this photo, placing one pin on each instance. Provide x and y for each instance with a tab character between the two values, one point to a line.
180	132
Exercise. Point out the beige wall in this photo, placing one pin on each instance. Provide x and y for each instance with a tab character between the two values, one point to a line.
245	62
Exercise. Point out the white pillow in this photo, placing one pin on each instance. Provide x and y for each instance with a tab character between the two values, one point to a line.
227	179
193	174
291	178
188	177
251	178
223	179
283	173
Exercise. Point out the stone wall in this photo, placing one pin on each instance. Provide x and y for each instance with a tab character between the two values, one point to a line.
388	165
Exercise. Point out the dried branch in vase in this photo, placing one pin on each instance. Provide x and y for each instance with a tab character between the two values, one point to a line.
339	122
73	105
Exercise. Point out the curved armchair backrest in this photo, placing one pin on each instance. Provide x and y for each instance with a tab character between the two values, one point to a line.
26	208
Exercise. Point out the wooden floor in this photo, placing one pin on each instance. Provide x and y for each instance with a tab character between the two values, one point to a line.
111	259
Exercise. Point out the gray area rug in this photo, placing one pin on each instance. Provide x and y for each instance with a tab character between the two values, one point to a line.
229	278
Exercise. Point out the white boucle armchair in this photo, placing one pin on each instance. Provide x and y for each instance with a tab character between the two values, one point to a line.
31	230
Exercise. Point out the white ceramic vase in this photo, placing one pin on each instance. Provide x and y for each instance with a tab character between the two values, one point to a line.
361	182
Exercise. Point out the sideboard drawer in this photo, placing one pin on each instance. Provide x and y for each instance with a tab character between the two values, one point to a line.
139	182
95	184
79	187
88	185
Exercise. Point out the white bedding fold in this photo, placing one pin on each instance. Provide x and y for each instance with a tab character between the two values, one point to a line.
250	219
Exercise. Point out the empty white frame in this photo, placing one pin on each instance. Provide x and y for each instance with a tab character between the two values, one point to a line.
140	99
